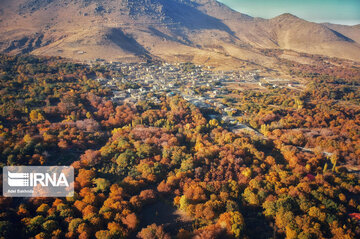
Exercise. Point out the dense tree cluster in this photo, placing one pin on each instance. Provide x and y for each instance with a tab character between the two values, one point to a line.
126	157
304	119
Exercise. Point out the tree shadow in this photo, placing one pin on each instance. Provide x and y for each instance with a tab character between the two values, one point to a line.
161	213
257	226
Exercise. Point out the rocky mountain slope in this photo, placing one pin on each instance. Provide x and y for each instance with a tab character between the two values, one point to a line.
202	31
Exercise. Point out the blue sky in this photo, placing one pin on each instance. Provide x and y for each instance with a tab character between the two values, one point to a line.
345	12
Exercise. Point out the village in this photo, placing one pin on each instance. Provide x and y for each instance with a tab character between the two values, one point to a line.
199	85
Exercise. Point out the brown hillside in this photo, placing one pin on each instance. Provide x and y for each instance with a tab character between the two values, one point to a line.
202	31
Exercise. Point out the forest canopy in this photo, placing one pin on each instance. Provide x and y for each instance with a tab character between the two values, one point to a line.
129	157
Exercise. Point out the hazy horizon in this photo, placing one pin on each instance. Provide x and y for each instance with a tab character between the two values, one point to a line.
346	12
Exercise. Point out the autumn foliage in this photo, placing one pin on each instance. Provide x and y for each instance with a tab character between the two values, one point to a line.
288	180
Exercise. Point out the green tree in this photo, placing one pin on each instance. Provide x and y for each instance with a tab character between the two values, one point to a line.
101	184
126	159
73	225
50	225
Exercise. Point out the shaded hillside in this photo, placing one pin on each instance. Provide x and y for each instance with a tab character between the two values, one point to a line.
352	32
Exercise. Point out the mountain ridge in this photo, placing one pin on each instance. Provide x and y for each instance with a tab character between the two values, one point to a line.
202	31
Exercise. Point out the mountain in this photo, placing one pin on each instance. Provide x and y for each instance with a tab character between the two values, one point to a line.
352	32
202	31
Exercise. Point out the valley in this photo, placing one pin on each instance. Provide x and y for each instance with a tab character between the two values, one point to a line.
181	119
